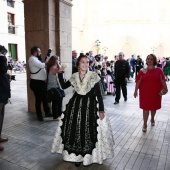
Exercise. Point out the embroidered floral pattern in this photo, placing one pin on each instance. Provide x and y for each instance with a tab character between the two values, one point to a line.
86	85
81	136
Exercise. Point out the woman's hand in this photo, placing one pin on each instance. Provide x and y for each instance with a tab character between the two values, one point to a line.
62	68
135	94
126	79
164	91
101	115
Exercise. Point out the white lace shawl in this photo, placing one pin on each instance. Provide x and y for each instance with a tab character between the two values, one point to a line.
82	88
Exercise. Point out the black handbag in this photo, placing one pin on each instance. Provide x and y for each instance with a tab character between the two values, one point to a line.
56	93
60	92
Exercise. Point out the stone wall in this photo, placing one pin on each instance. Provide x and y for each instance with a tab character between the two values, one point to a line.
48	25
128	26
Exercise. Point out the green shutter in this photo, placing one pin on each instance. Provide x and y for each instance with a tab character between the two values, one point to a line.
14	51
9	48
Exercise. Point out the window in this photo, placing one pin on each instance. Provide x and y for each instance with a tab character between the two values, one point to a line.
10	3
12	50
11	23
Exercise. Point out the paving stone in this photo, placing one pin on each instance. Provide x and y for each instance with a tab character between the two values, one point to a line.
161	163
153	163
139	161
132	161
30	141
124	160
146	162
167	167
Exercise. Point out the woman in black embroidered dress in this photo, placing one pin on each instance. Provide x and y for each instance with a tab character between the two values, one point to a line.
84	133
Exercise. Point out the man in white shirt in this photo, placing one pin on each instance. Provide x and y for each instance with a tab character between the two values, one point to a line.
38	82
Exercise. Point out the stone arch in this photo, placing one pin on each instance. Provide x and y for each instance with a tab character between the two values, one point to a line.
160	51
129	45
127	50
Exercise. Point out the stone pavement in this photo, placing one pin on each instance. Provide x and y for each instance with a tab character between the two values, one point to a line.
30	141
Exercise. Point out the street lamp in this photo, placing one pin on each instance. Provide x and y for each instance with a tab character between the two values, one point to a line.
97	43
105	49
153	49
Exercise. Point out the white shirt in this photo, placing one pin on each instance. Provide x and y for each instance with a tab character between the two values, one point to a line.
34	66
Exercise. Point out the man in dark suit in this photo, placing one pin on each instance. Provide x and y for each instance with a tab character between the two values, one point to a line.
4	89
139	64
121	72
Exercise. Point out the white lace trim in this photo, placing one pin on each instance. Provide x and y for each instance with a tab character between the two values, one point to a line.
87	83
102	151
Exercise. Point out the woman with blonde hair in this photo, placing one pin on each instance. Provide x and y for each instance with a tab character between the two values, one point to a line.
151	84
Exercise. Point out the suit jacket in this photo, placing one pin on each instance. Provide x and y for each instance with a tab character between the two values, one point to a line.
4	80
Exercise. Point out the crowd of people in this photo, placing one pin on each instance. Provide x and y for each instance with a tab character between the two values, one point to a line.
108	71
14	66
84	134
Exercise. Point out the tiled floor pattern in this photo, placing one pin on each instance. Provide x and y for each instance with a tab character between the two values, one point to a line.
30	141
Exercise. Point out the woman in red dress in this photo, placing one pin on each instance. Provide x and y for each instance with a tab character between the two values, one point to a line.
151	84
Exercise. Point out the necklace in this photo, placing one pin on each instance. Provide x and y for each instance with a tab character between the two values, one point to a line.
81	79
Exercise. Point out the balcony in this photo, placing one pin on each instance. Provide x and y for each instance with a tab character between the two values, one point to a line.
11	29
10	3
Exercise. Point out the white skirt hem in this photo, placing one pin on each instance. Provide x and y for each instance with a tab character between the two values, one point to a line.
102	151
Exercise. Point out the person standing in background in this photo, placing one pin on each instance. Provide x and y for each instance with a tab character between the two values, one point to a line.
10	65
38	82
4	89
139	64
91	56
53	67
74	60
121	72
163	63
132	63
166	69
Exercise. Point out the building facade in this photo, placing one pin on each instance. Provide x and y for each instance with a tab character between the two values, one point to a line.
12	34
133	27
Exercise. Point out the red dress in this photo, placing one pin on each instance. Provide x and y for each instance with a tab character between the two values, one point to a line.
149	89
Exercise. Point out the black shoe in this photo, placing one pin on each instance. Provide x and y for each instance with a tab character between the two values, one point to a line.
77	164
40	118
125	99
116	102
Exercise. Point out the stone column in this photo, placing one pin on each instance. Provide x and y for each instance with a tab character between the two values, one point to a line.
46	26
64	38
64	32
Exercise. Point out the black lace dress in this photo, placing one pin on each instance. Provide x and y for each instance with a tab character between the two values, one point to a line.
78	135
